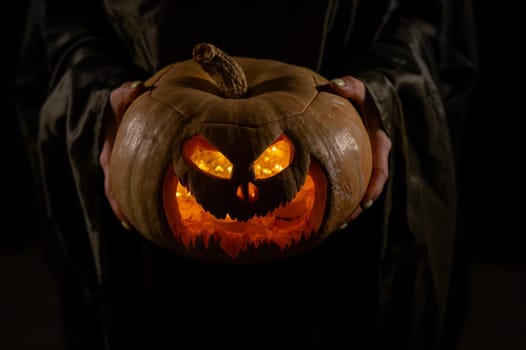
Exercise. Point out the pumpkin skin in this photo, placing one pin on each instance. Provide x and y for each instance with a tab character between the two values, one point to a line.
245	216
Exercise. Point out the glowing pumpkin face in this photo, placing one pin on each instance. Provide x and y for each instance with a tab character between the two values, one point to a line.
239	169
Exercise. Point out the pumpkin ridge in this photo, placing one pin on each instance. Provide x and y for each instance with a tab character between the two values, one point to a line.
157	77
271	121
170	106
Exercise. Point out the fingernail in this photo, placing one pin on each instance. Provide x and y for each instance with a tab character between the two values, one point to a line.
135	84
367	204
126	226
342	227
339	82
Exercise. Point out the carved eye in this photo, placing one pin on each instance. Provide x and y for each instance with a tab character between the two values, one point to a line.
207	158
274	159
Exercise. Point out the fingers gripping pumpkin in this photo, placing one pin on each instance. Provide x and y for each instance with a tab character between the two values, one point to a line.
239	160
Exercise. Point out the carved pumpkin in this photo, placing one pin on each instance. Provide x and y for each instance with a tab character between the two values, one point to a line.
239	160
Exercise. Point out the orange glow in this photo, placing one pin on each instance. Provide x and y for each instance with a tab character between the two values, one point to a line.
274	159
248	193
285	227
207	158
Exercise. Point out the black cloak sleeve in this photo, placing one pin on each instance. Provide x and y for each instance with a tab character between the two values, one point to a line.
69	63
421	71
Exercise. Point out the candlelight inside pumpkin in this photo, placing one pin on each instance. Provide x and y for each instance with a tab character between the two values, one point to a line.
285	226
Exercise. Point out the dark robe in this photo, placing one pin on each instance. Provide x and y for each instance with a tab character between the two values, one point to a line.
385	280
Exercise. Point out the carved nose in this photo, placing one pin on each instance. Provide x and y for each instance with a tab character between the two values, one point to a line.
247	193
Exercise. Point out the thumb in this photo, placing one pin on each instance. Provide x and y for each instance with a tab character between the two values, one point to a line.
349	87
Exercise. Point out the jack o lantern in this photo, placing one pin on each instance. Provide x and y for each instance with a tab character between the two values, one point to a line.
239	160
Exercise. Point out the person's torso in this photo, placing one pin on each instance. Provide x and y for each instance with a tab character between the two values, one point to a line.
163	32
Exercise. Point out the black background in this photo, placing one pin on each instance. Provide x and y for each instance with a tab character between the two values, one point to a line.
492	183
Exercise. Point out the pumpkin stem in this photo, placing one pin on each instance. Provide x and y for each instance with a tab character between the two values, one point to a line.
223	69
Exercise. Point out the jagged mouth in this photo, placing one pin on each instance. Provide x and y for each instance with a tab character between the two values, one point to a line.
285	227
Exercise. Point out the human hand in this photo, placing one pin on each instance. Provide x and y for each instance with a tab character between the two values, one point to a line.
354	89
120	99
